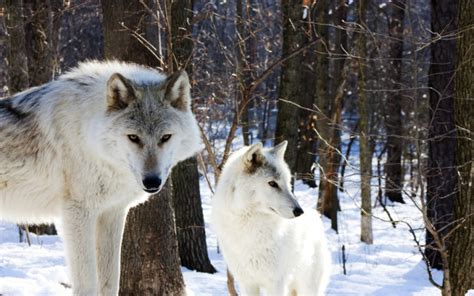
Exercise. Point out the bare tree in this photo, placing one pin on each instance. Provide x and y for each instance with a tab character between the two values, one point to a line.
150	257
365	154
17	61
441	173
296	84
393	116
461	252
190	225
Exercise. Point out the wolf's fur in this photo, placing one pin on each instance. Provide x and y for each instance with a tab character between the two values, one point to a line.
262	245
66	157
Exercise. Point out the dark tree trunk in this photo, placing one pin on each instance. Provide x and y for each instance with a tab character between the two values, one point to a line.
189	218
150	258
296	81
42	39
329	104
150	261
190	225
17	57
393	119
441	172
461	261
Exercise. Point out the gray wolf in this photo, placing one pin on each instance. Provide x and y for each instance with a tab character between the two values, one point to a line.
81	150
253	214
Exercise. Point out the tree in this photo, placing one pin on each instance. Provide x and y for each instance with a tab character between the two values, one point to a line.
17	61
190	225
461	260
296	84
150	258
441	173
31	53
328	99
42	32
365	155
393	119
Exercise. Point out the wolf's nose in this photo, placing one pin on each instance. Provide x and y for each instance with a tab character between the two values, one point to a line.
152	184
298	211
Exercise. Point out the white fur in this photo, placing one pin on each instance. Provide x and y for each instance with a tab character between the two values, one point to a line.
264	250
80	170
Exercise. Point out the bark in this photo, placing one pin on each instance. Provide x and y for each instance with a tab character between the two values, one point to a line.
329	103
441	172
150	258
17	61
365	154
393	117
295	83
42	39
150	262
461	261
189	217
186	196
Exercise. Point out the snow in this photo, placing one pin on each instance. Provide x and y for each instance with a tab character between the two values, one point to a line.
391	266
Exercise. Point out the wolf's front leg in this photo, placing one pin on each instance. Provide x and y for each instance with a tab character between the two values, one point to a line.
110	227
79	228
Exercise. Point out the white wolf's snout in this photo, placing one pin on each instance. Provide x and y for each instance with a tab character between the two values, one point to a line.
290	209
152	183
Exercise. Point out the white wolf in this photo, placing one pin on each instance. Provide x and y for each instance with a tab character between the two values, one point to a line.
81	150
263	247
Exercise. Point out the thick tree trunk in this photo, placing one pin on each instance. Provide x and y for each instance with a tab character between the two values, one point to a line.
190	225
296	78
365	153
441	173
150	258
461	261
17	56
329	103
41	38
189	217
150	262
393	116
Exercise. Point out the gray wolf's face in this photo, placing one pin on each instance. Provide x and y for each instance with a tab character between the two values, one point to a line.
270	179
153	127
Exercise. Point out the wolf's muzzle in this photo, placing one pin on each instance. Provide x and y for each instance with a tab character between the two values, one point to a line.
151	184
298	211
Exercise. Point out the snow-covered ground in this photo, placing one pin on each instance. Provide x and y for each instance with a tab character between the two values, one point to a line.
391	266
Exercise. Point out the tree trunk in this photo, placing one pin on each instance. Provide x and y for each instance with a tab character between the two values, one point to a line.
150	258
296	78
41	43
393	119
189	217
150	262
329	103
365	153
190	225
17	57
461	261
441	172
40	36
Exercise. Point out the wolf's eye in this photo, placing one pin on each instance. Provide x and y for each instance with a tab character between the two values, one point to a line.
165	138
134	138
273	184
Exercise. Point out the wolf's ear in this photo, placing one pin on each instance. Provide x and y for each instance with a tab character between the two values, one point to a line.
253	158
178	90
120	92
280	149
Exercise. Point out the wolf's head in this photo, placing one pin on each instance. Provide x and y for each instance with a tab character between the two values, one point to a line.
267	180
152	125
